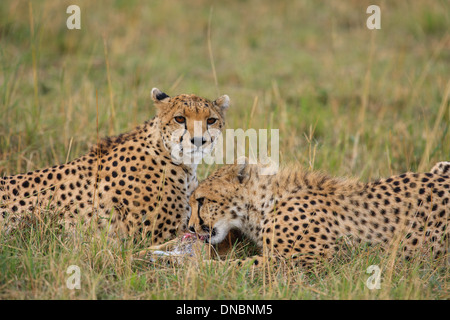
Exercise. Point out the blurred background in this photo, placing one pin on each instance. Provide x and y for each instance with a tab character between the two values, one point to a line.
346	99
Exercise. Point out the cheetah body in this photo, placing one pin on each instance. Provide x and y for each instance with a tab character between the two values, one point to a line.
130	184
303	215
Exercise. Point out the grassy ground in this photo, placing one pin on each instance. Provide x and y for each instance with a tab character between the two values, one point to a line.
347	100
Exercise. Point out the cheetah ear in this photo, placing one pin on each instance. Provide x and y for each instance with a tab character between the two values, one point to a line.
241	170
223	102
159	97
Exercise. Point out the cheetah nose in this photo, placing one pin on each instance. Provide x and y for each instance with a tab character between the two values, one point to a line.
191	229
198	141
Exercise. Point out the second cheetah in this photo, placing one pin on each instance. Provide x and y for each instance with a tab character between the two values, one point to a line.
301	215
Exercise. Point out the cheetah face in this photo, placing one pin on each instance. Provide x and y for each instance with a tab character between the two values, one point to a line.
209	221
190	125
218	204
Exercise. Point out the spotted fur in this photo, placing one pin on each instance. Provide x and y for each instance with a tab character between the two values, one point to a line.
302	215
442	168
130	183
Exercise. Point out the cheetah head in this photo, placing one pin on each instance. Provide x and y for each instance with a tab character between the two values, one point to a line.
190	125
219	203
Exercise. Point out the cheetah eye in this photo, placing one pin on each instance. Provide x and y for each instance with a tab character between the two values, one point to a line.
211	120
180	119
200	200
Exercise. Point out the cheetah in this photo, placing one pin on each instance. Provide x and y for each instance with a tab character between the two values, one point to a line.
134	184
301	215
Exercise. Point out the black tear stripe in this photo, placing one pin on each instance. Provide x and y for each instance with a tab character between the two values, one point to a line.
200	220
184	133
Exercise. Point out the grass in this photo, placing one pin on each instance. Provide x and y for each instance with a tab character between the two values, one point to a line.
347	100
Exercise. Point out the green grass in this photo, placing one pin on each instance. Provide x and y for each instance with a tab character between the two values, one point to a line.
347	100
